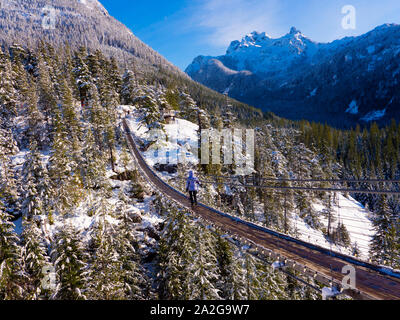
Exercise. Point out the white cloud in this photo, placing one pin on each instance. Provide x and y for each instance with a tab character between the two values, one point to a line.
225	21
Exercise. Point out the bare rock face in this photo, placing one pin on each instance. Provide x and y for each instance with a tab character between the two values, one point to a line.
349	81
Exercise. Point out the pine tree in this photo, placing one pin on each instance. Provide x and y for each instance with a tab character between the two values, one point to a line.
292	288
225	264
271	283
64	171
70	259
128	88
19	73
70	117
46	89
34	183
11	265
175	252
83	76
34	255
150	107
109	102
239	282
252	284
203	271
96	115
104	274
385	246
8	95
126	244
188	107
114	76
8	183
93	167
36	127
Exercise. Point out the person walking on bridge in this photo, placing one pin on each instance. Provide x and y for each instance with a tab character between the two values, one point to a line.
192	185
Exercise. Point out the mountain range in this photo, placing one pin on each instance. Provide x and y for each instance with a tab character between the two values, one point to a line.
348	81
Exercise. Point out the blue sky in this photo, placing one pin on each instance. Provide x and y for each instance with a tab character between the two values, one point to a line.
182	29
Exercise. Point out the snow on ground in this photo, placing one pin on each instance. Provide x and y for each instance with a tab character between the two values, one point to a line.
313	93
84	223
374	115
176	143
353	107
349	212
329	293
19	159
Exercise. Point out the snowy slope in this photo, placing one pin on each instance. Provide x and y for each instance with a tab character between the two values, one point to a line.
349	212
176	142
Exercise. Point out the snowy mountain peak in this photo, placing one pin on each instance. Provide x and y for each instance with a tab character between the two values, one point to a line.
293	43
257	52
94	4
254	39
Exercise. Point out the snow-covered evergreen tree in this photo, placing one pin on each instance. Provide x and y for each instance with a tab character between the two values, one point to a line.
385	245
104	277
126	244
11	265
82	75
203	272
8	182
64	171
71	117
70	259
93	165
35	259
175	251
128	88
8	95
35	183
225	264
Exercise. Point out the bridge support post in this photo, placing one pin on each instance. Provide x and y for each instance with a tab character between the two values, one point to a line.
329	218
286	228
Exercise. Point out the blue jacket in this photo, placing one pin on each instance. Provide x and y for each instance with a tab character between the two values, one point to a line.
192	182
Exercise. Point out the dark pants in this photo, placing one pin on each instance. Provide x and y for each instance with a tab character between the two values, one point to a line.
193	197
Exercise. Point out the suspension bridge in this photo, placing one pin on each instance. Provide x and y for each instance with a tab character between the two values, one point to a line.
310	260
